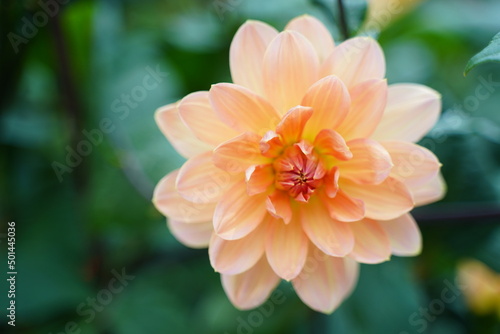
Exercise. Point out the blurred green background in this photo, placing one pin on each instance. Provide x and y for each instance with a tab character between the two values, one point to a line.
70	76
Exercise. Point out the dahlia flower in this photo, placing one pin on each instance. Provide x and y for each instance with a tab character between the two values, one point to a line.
302	168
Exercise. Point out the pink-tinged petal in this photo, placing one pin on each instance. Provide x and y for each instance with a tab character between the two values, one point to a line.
329	142
291	126
286	248
429	192
252	287
332	237
178	134
290	68
331	182
259	178
325	281
200	181
355	60
241	109
372	243
404	234
370	164
197	113
413	164
315	32
330	101
237	154
412	110
278	205
344	208
246	54
171	204
238	214
387	200
194	235
233	257
368	101
271	145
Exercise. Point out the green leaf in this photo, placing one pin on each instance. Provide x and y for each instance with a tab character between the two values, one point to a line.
491	53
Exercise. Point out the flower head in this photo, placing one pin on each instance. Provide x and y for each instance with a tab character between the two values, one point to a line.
303	167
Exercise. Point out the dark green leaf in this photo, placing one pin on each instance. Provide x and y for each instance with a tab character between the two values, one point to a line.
489	54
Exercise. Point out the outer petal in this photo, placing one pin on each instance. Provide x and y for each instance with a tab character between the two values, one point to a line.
197	113
195	235
238	214
170	203
332	237
291	126
242	109
404	235
290	68
344	208
330	101
412	110
355	60
233	257
413	164
325	281
384	201
315	32
177	133
286	248
200	181
371	164
367	107
429	192
247	54
372	244
251	288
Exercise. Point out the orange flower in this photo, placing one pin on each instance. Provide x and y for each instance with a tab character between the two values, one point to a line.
303	167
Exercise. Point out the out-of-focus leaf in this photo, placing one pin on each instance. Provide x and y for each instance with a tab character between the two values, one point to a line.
491	53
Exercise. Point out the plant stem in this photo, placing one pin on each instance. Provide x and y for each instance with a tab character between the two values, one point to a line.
344	28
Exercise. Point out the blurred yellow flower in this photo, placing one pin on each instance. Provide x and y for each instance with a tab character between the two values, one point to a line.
481	287
303	167
382	12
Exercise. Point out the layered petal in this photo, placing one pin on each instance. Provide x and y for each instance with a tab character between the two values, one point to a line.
278	205
259	179
315	32
252	287
372	243
356	60
344	208
412	110
429	192
238	214
286	248
242	109
178	134
330	143
246	54
194	235
197	113
290	68
368	101
404	235
291	126
171	204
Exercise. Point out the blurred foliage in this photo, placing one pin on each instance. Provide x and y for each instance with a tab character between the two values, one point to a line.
77	70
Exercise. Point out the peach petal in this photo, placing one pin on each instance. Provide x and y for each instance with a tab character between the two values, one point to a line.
404	235
331	182
237	154
412	110
292	124
246	54
332	237
233	257
259	179
241	109
286	248
368	101
315	32
178	134
252	287
237	214
371	163
278	205
171	204
355	60
271	145
329	142
387	200
197	113
372	243
429	192
290	68
194	235
330	101
343	207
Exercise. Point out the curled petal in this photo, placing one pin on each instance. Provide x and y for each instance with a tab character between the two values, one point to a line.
271	145
331	182
194	235
372	243
291	126
252	287
344	208
259	178
404	235
329	142
278	205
